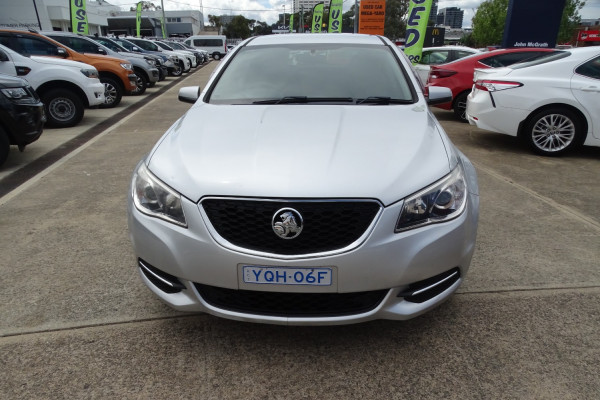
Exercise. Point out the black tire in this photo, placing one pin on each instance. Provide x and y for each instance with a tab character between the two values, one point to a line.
4	146
554	131
216	56
141	83
176	70
112	91
460	106
63	108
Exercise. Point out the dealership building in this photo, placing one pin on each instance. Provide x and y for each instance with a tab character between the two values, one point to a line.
103	18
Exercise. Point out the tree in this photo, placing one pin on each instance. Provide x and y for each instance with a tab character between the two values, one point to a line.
215	21
146	6
239	27
262	28
348	20
488	22
395	19
570	20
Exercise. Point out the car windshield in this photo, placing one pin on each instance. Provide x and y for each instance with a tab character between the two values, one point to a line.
164	46
307	73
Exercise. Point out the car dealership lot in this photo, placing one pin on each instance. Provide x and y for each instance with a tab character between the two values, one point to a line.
77	322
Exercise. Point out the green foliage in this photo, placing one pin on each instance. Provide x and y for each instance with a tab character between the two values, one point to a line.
395	18
570	20
239	27
489	21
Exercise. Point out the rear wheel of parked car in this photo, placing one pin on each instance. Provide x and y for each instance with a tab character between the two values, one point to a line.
216	56
112	93
63	108
460	106
182	65
141	83
4	146
554	131
176	70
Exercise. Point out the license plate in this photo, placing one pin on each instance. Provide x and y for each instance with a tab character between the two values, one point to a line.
321	276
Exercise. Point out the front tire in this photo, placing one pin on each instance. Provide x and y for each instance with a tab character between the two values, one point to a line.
460	107
112	93
554	131
141	83
63	108
4	146
176	70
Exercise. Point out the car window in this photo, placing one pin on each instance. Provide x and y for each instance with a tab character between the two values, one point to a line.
146	45
462	53
541	59
164	46
591	69
36	47
316	71
503	60
109	44
78	44
435	57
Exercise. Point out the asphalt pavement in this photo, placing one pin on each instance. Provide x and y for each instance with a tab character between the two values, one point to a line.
77	322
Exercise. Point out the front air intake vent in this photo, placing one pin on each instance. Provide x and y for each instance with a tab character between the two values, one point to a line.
165	282
422	291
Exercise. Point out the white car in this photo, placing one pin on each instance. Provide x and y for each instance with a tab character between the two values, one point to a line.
333	197
553	102
66	87
440	55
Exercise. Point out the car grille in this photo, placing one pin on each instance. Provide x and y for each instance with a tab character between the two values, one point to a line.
327	225
278	304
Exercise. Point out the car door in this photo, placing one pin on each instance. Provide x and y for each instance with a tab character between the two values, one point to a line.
585	85
428	58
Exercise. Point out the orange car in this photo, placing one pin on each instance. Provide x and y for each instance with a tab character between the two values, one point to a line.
116	74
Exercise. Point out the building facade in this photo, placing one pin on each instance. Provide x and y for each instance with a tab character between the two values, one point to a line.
450	16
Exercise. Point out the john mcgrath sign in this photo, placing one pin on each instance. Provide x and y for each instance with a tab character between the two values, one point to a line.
532	23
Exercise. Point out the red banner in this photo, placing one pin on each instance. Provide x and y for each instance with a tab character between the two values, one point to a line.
589	36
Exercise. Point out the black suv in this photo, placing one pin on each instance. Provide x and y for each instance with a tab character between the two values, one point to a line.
21	115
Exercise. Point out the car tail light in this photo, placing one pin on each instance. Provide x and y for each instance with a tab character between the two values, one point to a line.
440	73
494	86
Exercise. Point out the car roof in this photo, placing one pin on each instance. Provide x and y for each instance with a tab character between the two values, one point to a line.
295	38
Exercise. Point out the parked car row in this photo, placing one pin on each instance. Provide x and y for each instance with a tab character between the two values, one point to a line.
68	73
547	97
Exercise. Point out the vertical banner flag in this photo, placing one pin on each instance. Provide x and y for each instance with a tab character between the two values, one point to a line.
317	18
79	22
292	23
416	27
162	25
372	17
335	16
138	18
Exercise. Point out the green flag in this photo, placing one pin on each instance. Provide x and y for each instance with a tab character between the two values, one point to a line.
162	26
418	16
335	16
138	18
317	18
79	22
291	23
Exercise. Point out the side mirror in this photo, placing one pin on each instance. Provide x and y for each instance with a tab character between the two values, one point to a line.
62	52
189	94
102	51
438	95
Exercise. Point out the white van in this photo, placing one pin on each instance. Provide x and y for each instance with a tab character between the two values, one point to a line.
216	45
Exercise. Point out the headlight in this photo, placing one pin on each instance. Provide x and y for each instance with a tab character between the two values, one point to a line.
154	198
90	73
150	61
442	201
18	95
127	66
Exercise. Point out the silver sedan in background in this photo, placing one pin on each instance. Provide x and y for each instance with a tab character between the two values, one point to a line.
334	196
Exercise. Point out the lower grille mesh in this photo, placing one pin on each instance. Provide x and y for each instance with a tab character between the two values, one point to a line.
291	304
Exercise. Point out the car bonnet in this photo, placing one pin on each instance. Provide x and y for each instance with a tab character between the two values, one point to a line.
302	151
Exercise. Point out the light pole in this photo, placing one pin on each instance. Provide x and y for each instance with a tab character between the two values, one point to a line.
284	16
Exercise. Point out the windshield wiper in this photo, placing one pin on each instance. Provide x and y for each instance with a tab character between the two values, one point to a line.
383	100
305	99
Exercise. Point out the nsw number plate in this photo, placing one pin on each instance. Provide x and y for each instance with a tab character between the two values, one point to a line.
287	276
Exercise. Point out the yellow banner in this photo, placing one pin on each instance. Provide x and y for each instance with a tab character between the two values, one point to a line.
79	22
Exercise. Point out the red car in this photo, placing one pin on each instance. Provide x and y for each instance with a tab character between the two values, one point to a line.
458	75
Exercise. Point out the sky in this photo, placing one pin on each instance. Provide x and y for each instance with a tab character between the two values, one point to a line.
269	10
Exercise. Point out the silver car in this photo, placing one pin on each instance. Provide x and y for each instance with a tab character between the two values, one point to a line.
333	197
